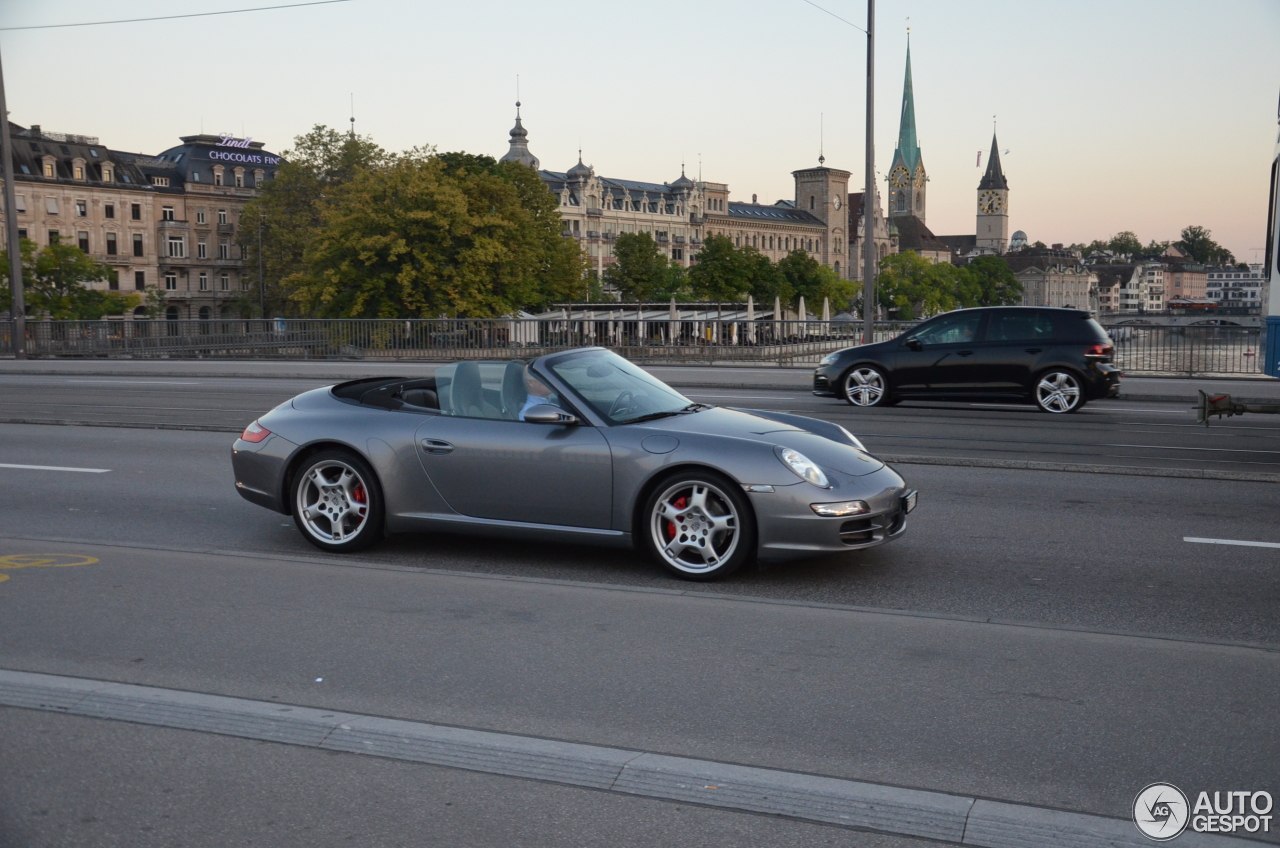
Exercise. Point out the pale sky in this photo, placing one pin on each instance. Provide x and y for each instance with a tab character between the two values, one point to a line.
1146	115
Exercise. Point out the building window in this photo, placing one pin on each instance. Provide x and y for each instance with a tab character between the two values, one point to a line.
54	237
108	210
204	282
195	176
51	205
22	233
82	209
217	175
137	244
48	169
79	172
226	282
224	249
166	213
160	182
113	282
239	178
135	211
202	250
222	216
139	280
82	241
244	283
177	247
107	175
677	253
200	216
170	282
259	177
111	244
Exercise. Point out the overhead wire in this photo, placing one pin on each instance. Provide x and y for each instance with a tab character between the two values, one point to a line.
174	17
834	15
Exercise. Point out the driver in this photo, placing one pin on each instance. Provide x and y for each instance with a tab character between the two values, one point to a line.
538	393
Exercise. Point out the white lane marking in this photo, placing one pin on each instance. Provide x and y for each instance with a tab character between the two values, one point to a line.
142	382
55	468
740	397
1231	542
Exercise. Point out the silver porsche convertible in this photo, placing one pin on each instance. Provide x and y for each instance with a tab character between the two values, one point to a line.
580	445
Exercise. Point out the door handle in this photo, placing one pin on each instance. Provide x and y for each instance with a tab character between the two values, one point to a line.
964	353
1034	350
436	446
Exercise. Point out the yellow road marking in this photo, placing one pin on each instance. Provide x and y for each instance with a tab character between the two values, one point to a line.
13	561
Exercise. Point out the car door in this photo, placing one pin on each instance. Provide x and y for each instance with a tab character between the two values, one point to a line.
940	354
1013	344
487	465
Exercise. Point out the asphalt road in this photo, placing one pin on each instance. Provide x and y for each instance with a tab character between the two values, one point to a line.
1111	433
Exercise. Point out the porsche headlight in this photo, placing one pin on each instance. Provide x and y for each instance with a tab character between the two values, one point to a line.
803	467
857	443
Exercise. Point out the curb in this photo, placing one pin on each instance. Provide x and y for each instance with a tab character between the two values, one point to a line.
955	819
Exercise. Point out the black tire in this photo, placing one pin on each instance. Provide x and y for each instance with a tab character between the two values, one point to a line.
866	386
712	547
326	503
1058	391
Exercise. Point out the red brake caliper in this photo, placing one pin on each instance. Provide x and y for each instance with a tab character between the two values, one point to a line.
358	495
679	503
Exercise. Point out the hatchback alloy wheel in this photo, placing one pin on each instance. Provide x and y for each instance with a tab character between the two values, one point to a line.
1059	392
865	386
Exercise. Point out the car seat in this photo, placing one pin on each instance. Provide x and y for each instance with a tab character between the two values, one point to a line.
467	392
514	391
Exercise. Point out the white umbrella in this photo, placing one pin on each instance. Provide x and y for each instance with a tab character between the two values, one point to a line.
673	322
826	315
803	315
777	319
751	320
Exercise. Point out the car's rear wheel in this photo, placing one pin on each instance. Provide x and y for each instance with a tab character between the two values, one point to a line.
699	526
1059	392
866	386
337	503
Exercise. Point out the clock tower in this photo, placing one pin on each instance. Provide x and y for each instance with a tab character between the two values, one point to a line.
993	204
907	176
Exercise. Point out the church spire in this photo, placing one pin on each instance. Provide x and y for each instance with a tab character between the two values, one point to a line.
908	145
519	150
994	177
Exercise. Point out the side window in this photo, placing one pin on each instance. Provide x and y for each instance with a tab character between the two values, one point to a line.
1019	327
960	328
499	391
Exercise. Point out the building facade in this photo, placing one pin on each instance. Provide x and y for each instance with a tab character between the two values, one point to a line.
165	224
1230	285
1053	278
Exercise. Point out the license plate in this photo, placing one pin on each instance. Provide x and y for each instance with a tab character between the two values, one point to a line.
909	501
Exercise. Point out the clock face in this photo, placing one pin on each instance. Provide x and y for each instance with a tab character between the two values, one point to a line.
836	202
990	203
899	177
919	176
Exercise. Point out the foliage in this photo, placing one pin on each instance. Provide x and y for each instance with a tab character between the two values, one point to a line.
641	271
1125	242
911	286
988	281
1197	242
57	284
1155	248
423	235
810	279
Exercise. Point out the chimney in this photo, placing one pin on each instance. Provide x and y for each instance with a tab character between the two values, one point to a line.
35	129
753	199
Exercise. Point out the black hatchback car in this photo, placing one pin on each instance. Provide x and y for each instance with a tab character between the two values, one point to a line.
1057	359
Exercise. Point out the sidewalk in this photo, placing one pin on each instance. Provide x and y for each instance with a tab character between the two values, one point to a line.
1153	389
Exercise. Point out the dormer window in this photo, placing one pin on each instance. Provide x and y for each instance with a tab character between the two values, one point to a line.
258	177
108	174
218	171
239	172
77	169
50	169
160	182
93	153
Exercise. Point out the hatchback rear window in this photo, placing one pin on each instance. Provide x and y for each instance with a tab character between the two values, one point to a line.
1019	327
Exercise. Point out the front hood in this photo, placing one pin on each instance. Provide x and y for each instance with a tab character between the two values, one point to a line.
736	424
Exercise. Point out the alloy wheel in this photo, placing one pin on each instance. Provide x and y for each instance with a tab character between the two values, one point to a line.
1058	392
333	501
695	527
864	386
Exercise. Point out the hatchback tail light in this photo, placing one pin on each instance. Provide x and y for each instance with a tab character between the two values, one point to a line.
1098	351
255	432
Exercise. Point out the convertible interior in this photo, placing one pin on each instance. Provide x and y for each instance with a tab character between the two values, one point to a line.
493	390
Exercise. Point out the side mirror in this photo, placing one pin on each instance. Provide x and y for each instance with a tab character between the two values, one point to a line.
545	413
913	343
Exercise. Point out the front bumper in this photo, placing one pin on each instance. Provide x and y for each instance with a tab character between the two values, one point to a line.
789	528
824	383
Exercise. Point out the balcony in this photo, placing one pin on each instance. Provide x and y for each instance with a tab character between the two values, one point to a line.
695	240
226	228
678	239
595	213
609	236
172	225
227	263
662	238
115	259
593	234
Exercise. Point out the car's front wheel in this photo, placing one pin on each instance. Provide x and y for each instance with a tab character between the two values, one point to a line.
866	385
337	503
1059	392
699	526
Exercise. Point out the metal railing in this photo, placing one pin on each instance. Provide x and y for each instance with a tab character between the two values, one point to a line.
1198	350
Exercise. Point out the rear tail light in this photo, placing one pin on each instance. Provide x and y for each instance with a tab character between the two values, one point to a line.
1099	350
255	432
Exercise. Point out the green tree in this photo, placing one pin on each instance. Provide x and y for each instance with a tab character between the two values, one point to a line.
1197	242
810	279
290	208
420	237
1155	248
1124	242
57	283
988	281
641	271
911	286
723	272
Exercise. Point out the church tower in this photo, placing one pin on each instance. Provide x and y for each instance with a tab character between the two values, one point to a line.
993	204
519	150
907	176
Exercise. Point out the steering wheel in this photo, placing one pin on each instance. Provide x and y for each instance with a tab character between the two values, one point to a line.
625	402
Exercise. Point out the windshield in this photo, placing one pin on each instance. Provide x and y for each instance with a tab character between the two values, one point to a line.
617	390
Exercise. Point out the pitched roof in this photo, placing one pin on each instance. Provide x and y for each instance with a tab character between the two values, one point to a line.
914	235
960	245
1042	258
994	177
755	211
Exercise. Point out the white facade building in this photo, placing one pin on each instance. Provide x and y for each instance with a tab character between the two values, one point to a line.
1231	286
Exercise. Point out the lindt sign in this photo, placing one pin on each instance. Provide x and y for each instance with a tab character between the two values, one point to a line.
228	140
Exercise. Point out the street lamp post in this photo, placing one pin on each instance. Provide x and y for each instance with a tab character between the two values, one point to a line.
17	308
262	283
869	193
